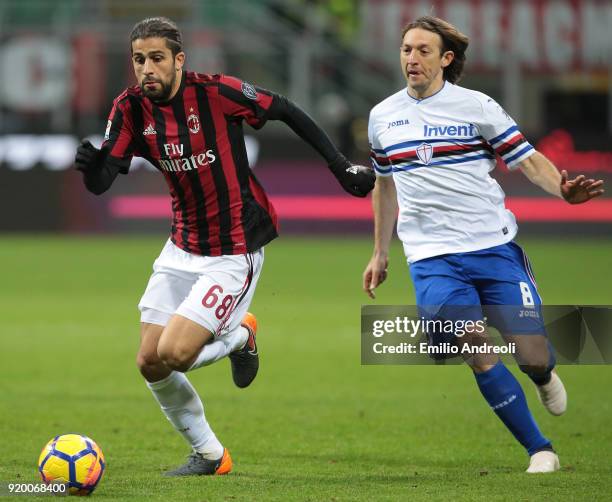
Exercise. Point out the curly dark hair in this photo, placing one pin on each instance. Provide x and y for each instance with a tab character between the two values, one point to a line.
452	40
161	27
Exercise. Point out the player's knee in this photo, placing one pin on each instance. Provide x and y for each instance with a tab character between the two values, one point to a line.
535	367
535	362
149	365
175	357
146	358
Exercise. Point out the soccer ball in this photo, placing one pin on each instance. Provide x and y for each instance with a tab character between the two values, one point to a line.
74	460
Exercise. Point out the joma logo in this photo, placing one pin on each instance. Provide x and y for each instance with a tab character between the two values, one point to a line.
396	123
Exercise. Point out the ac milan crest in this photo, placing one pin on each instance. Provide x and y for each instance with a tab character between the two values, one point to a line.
193	122
424	152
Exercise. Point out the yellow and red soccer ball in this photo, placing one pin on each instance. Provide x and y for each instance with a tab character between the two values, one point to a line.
74	460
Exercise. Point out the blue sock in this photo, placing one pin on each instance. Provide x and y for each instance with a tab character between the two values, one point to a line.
505	396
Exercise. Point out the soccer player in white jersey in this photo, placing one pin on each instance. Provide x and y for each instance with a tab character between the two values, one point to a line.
433	145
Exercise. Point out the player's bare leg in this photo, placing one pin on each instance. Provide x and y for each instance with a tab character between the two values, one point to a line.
533	356
158	361
181	342
186	346
241	348
150	365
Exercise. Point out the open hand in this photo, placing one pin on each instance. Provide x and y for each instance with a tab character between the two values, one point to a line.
580	189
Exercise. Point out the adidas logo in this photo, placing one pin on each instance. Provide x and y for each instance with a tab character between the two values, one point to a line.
149	130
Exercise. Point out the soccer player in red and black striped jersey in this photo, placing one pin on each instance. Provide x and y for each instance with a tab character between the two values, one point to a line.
194	309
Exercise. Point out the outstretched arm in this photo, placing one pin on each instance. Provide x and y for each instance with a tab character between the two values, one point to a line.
98	167
356	180
543	173
384	203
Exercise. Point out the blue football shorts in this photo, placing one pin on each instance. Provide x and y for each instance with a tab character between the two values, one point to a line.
496	283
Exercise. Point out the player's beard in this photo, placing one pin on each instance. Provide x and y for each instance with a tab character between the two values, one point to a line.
161	94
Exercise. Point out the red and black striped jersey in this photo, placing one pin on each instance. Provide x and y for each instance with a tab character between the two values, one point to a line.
196	140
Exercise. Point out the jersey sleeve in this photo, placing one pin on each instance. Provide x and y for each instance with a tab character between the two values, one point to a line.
244	101
501	132
119	135
378	157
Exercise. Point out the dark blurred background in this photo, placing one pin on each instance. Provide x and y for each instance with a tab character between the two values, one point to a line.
549	63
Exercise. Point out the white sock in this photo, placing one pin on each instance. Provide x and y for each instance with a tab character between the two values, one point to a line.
183	408
221	347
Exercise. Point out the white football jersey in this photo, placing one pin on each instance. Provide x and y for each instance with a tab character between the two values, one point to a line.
440	151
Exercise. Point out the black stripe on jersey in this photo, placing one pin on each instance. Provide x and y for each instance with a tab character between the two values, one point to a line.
138	122
473	149
237	97
115	131
503	150
160	138
178	109
453	153
255	219
381	161
216	168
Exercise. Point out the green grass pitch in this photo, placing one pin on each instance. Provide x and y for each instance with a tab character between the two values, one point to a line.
315	425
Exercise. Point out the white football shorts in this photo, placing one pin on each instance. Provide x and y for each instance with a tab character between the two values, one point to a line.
213	291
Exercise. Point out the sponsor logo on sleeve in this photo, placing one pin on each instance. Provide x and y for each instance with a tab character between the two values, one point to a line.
249	91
